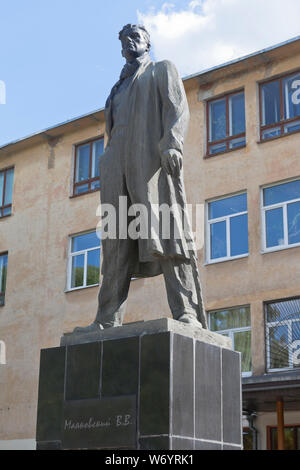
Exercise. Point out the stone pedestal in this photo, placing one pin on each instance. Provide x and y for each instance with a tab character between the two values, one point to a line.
148	385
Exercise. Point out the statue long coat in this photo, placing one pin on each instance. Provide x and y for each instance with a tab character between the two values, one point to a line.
157	120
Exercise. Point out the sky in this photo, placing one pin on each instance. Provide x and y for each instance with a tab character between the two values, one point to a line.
60	58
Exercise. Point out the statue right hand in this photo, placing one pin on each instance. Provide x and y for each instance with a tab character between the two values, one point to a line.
171	161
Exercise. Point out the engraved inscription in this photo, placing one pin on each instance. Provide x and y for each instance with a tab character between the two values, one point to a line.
100	423
92	423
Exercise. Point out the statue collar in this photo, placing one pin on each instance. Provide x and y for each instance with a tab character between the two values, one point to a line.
130	68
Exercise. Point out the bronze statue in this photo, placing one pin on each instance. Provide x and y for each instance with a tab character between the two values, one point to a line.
146	121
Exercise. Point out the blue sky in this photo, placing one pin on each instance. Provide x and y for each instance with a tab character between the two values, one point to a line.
60	58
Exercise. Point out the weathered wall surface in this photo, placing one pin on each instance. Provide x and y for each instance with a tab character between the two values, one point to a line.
38	309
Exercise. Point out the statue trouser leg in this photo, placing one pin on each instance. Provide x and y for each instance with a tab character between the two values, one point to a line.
118	255
183	288
118	260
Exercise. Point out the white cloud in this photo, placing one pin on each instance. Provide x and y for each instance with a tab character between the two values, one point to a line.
206	33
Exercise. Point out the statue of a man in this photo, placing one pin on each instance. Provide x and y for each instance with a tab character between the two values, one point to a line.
146	120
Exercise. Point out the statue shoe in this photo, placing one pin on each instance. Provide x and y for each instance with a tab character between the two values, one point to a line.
190	319
88	329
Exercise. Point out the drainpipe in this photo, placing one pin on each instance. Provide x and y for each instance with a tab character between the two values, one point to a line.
280	423
251	415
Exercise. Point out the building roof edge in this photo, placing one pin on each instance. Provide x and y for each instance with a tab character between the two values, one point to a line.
188	77
241	59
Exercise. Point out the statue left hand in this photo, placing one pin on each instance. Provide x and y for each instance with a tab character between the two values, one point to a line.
171	161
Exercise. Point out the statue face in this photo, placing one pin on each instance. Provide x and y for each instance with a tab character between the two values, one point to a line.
134	44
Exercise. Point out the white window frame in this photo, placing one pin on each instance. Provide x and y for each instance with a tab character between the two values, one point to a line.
270	324
287	323
76	253
264	209
225	218
230	333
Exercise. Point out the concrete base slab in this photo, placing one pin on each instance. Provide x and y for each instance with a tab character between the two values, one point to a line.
141	328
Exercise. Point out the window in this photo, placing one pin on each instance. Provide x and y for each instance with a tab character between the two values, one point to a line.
84	261
280	106
291	438
6	189
226	123
227	227
283	334
87	157
2	352
235	323
281	216
3	274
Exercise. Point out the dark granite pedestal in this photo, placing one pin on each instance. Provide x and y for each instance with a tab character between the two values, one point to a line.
149	385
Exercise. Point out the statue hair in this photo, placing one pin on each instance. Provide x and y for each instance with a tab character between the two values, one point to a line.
136	26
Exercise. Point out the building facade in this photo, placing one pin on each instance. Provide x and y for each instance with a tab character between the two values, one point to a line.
242	177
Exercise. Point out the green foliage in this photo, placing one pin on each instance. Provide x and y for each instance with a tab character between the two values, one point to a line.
93	273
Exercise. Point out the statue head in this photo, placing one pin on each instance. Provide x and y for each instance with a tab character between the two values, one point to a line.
135	41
